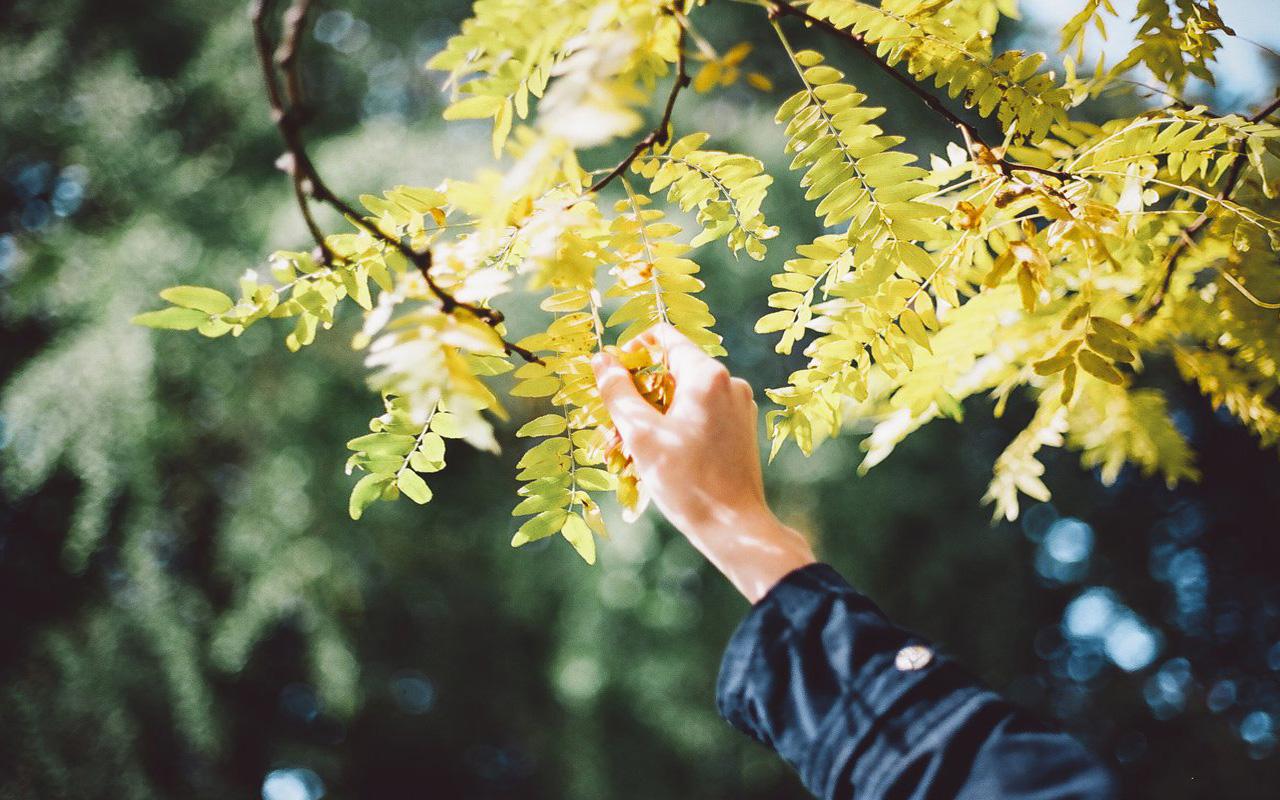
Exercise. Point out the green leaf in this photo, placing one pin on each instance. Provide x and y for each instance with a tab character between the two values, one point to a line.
366	490
431	445
446	425
423	463
210	301
540	527
172	318
538	503
381	443
213	327
413	486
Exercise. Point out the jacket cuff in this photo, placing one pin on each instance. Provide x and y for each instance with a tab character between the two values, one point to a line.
818	673
813	673
783	608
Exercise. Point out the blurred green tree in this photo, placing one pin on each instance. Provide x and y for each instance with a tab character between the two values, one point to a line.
187	610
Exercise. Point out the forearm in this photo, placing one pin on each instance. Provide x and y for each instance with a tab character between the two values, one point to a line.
750	547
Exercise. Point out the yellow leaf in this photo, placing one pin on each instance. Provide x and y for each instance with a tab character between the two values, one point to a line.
913	327
537	387
479	106
501	128
576	531
545	425
774	322
1099	367
734	56
707	77
1109	347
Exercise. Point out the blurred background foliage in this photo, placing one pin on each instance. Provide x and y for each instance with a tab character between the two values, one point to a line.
186	610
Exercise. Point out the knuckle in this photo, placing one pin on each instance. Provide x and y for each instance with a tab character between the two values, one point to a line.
716	377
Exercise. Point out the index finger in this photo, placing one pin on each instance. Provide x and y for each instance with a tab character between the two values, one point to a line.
684	358
627	408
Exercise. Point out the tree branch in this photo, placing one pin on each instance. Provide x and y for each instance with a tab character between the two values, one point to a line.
1187	236
287	111
977	148
660	131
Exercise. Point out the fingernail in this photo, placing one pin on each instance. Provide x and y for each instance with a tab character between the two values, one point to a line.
599	360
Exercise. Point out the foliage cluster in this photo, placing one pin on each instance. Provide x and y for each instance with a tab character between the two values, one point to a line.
1057	262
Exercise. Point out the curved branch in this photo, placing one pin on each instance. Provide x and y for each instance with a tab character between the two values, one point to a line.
287	111
660	131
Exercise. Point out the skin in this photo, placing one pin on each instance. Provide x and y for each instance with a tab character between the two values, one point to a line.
700	461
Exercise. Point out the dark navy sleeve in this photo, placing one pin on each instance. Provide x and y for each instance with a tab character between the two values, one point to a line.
864	709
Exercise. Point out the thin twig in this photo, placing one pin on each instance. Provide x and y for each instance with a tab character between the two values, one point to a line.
1187	237
660	132
1174	100
973	141
287	111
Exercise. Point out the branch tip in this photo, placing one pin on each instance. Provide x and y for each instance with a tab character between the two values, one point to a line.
286	113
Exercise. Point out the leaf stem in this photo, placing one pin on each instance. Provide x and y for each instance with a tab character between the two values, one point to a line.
648	250
417	442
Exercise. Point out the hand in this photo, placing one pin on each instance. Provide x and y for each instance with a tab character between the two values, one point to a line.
700	461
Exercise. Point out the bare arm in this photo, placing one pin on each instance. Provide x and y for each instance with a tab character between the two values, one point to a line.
701	462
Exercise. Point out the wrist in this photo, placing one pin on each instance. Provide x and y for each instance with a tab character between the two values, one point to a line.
752	548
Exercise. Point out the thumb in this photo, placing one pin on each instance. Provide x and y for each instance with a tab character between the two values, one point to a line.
630	412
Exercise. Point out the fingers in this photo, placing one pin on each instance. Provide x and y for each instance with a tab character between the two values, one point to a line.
743	389
631	413
684	358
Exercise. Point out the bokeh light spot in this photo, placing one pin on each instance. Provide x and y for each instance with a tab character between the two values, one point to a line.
1037	520
412	691
580	679
1130	644
1091	614
292	784
1221	697
1069	540
299	700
